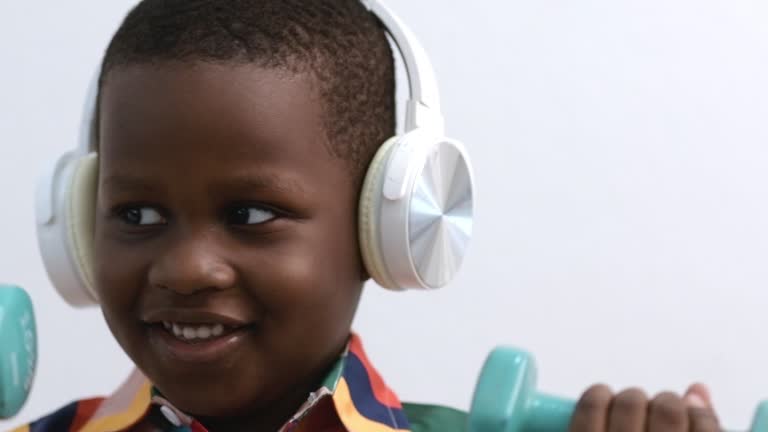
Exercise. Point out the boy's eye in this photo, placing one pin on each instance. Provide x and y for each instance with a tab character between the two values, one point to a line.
250	216
142	216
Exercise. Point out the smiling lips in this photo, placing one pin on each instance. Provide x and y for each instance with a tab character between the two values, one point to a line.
195	325
195	332
196	337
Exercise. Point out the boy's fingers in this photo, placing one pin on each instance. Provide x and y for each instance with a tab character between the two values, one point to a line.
591	414
699	393
703	420
668	413
628	411
701	414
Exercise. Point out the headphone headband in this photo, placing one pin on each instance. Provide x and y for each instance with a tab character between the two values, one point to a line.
86	140
422	109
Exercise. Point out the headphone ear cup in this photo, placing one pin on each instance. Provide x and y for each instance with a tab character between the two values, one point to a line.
82	214
416	211
368	216
65	232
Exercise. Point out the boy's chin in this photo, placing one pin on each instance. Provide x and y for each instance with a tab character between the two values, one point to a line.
219	392
218	377
214	400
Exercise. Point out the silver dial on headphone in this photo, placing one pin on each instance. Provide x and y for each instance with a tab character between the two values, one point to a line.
440	219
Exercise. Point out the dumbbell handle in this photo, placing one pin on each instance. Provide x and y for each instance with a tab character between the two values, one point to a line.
506	399
548	413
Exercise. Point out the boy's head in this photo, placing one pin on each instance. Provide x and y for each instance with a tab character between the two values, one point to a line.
338	43
233	136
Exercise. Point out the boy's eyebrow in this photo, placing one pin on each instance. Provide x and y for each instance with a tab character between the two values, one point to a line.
123	182
260	181
126	182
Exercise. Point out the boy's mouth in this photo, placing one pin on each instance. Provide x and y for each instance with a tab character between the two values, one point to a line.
196	332
196	336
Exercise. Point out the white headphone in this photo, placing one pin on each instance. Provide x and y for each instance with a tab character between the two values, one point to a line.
415	210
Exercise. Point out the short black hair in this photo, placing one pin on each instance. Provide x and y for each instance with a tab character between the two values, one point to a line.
339	42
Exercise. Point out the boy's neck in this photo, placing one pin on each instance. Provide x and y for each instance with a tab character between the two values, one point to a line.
272	417
321	418
268	418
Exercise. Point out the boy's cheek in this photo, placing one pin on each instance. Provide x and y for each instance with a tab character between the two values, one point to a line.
118	279
302	282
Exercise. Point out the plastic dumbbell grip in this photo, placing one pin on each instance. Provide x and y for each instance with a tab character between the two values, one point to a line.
548	413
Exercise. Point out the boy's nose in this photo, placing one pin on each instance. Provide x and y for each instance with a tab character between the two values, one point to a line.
191	266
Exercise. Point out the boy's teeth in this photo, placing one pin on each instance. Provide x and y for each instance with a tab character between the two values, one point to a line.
194	332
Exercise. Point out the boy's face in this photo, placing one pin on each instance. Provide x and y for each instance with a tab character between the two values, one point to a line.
227	260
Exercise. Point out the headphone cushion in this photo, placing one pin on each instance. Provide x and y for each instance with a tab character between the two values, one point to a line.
369	223
81	212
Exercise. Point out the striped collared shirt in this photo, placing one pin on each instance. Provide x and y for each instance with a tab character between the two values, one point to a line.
352	398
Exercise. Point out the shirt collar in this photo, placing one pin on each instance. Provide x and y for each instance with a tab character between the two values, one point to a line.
361	399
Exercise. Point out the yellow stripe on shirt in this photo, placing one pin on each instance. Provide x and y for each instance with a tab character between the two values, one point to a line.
349	415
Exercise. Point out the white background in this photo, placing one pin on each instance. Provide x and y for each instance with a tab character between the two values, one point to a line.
621	231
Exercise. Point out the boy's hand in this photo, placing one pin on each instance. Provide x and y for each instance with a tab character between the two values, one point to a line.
599	410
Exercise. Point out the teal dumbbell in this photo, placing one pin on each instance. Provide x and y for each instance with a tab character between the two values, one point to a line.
506	399
18	349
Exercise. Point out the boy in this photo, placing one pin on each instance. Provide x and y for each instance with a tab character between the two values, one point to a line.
233	138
